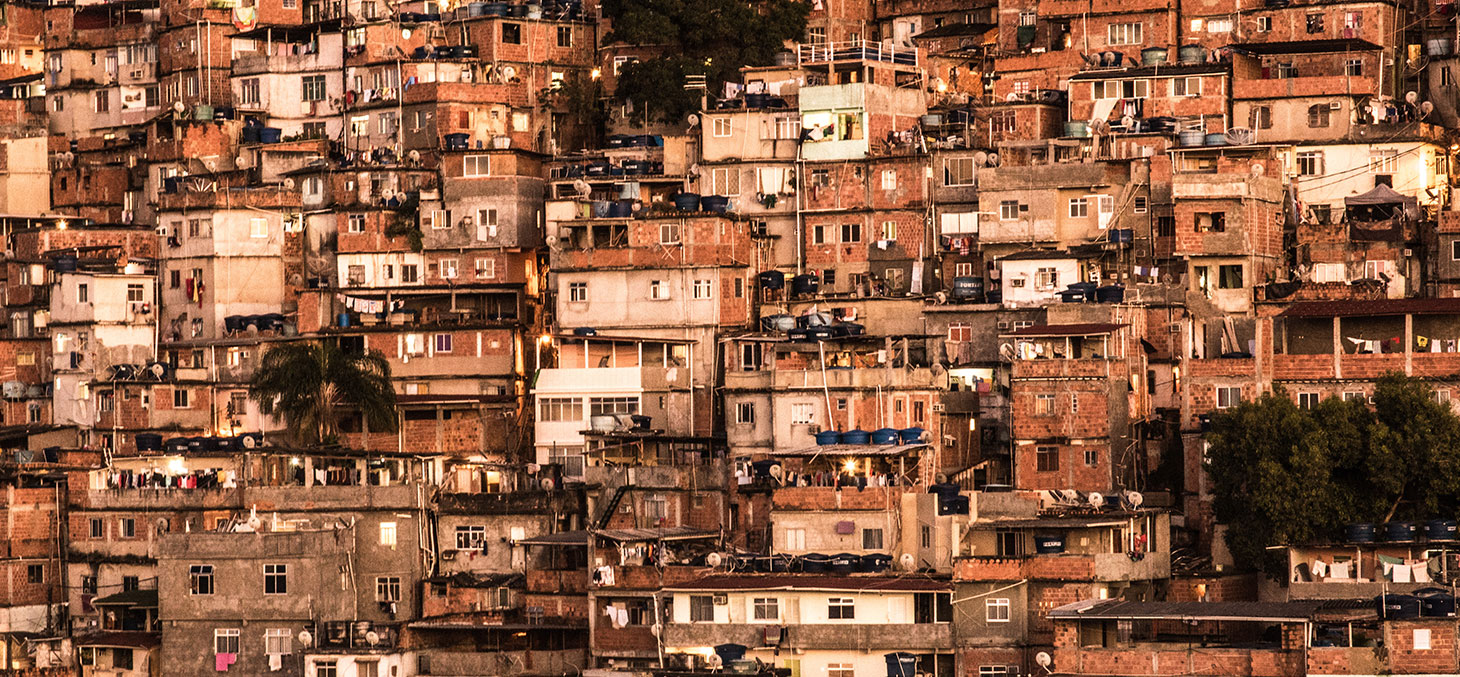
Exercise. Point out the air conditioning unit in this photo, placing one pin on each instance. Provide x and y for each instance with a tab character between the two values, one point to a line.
722	599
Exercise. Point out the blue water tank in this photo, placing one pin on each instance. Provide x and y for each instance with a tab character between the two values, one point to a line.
876	562
911	435
845	563
771	279
730	652
814	563
715	203
885	436
901	664
1112	294
342	320
1436	602
1361	532
802	285
1440	530
686	202
1399	532
1397	606
149	442
855	436
828	437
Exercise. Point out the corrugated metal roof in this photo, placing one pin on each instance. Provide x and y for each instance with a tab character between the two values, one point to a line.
1372	308
579	537
138	598
814	582
852	450
1308	46
665	534
1216	611
1066	329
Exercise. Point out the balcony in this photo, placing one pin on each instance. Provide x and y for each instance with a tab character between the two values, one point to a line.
856	50
166	499
913	637
1100	567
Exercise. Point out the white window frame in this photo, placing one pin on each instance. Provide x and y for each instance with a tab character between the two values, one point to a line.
998	610
1125	34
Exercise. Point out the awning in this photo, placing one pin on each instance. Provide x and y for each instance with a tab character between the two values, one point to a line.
665	534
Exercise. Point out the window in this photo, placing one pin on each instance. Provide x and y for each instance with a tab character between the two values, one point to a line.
1044	405
1447	77
821	177
475	165
565	36
1046	278
355	223
1211	222
200	579
765	609
1422	639
1315	23
701	608
560	409
1046	459
276	579
1354	67
889	179
795	539
803	413
1219	26
1318	115
1229	277
1028	18
851	232
388	534
751	356
996	610
840	670
1259	117
998	671
180	398
1141	205
1310	163
889	231
1186	87
103	101
669	233
83	293
127	527
278	641
658	290
1228	397
959	171
1009	210
471	537
1264	24
225	640
1124	34
259	227
1382	161
841	608
1354	396
1121	89
98	528
819	233
725	181
601	406
1307	400
387	588
721	127
745	413
1455	250
512	33
35	574
1079	208
871	539
577	292
328	668
702	289
449	269
313	87
134	293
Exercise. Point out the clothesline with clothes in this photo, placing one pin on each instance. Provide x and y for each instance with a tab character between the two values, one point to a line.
1395	344
368	305
157	479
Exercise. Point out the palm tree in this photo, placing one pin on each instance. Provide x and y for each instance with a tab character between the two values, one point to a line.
309	382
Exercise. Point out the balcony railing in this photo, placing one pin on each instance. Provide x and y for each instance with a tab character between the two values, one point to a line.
856	50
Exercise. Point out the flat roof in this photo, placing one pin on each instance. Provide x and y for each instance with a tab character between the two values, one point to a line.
1372	308
1095	609
564	538
126	640
748	582
138	598
1086	329
1307	46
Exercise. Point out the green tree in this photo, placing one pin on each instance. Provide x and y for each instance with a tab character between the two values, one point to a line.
1283	475
309	383
713	38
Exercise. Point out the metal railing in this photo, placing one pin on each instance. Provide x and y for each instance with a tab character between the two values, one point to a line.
856	50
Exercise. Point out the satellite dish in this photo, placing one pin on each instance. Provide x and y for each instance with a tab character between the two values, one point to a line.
372	638
714	559
1425	108
288	183
656	629
1134	498
551	240
509	72
907	561
1006	351
714	661
1127	121
776	470
980	158
178	107
414	155
1096	499
1240	136
1012	97
547	484
1411	97
993	159
582	188
1258	169
1044	659
305	639
692	119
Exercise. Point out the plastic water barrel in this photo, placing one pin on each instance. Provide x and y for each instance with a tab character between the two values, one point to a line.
715	203
1049	544
778	323
885	436
827	438
756	100
1436	602
911	435
931	120
1153	56
953	505
855	436
250	134
1440	530
270	135
686	202
1191	54
342	320
730	652
1217	139
1079	129
901	664
968	288
1361	532
149	442
1191	137
771	279
815	563
495	9
876	562
1399	532
177	445
802	285
1110	294
845	563
1397	606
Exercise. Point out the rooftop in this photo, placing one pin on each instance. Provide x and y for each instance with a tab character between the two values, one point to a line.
1204	611
1373	308
758	582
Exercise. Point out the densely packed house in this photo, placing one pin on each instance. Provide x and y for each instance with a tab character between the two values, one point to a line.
894	358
